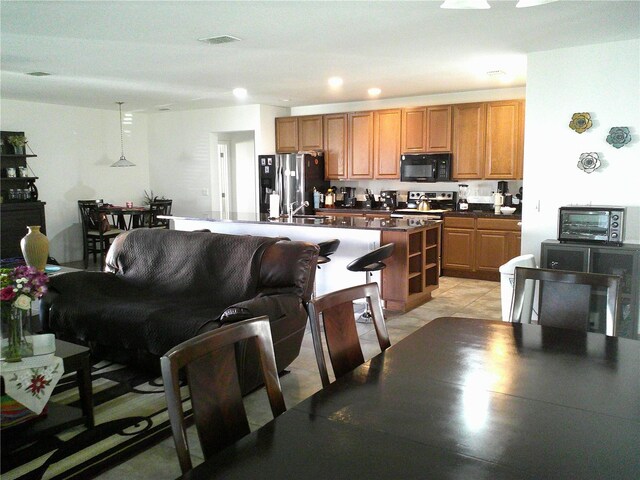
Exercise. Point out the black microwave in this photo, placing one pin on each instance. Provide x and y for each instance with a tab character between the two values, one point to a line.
592	223
425	167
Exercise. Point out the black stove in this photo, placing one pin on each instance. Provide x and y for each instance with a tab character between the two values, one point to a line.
439	203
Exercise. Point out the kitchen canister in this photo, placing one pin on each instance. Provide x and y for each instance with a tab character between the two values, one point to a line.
35	247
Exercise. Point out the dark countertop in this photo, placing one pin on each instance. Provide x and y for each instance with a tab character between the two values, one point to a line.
368	211
325	220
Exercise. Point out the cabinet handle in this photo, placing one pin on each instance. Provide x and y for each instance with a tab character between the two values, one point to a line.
554	264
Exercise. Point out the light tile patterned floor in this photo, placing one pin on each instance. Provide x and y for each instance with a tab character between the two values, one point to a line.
455	297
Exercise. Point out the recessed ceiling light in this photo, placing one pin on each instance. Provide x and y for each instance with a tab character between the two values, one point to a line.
219	39
285	99
335	82
240	92
39	74
374	91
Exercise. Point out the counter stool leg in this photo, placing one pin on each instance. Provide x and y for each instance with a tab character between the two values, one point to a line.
365	317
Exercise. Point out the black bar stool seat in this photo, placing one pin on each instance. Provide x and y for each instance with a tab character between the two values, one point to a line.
327	248
371	262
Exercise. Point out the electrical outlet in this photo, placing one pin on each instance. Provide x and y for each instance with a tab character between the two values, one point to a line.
205	192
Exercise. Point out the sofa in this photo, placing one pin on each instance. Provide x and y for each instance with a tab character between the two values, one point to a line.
162	287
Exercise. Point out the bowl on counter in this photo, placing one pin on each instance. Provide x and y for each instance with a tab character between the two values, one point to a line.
507	210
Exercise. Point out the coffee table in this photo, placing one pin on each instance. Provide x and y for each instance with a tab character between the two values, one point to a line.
75	358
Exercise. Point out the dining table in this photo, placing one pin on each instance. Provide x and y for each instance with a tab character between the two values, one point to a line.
118	212
462	398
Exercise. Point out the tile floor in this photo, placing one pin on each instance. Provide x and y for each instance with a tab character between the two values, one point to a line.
455	297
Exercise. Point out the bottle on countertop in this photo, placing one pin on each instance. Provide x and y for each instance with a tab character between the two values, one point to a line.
316	198
329	198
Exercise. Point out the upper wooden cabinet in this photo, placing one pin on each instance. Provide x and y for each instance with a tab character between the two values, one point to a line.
335	146
386	143
286	135
294	134
310	132
426	129
360	145
504	145
488	139
439	128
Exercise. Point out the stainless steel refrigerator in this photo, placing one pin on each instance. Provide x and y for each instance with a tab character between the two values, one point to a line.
293	176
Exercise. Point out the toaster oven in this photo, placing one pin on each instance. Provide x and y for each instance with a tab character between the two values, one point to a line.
594	224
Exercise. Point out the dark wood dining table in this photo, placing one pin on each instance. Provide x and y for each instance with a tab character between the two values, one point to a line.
136	215
461	398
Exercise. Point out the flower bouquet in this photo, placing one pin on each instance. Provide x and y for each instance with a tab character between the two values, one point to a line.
18	288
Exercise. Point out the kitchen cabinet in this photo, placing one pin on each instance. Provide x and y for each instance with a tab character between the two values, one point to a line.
386	143
488	140
413	271
477	247
286	135
360	133
623	261
469	122
335	146
426	129
294	134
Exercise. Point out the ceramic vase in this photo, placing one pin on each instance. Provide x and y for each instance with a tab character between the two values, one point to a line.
15	345
35	247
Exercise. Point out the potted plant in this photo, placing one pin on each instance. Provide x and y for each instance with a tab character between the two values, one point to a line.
18	142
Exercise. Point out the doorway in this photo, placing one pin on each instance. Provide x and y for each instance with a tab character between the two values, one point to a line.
233	172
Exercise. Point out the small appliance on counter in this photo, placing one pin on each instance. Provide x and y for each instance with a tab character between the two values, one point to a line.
389	199
348	196
369	200
591	223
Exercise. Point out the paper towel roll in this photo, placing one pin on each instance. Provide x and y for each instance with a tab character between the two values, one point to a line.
274	205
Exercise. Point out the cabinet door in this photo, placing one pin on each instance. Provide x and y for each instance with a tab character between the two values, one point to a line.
514	242
287	135
414	130
386	143
492	247
503	154
360	145
310	132
335	146
558	257
458	248
469	121
439	128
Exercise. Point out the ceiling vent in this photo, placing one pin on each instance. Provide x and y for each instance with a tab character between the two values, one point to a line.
38	74
219	39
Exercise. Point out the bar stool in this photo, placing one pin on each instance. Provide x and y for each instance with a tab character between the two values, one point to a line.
327	248
369	263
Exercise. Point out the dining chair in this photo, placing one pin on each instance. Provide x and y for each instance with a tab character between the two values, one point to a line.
97	232
209	363
566	299
158	207
341	334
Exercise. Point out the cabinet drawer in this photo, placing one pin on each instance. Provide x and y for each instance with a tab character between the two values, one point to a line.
459	222
498	224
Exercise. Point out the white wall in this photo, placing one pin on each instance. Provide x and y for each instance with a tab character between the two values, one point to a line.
180	149
603	80
75	148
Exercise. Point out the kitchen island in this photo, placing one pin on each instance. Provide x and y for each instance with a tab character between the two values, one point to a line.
412	271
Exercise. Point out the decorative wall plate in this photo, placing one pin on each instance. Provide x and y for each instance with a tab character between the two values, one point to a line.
619	136
580	122
589	162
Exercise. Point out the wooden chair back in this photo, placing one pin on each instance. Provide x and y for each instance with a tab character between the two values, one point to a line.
565	298
159	207
212	376
341	334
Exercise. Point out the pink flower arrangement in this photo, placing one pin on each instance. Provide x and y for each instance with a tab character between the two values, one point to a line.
20	282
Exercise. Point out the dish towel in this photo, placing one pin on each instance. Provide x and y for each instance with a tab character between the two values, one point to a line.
32	380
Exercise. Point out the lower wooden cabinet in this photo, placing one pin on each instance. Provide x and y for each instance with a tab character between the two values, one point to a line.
413	272
477	247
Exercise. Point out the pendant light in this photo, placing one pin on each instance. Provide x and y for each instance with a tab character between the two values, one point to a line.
123	162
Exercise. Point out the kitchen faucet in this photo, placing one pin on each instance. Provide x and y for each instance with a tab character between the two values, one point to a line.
293	212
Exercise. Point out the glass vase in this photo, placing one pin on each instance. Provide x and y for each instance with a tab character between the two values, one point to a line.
15	323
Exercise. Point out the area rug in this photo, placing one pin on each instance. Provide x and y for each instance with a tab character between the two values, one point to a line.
130	416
